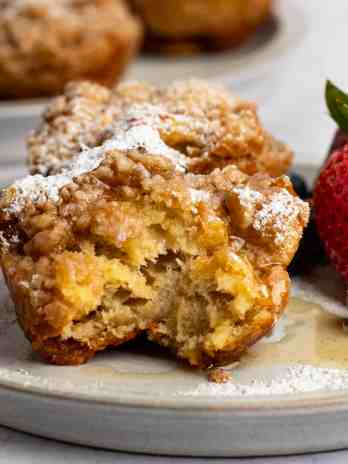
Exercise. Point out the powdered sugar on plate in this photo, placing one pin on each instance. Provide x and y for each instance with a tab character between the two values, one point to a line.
296	379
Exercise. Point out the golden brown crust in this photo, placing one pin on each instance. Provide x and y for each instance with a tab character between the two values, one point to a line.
180	27
72	353
42	331
45	44
67	353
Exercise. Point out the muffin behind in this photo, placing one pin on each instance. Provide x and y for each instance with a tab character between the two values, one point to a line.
185	27
44	44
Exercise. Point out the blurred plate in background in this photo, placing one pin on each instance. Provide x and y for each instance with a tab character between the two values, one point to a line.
8	173
259	56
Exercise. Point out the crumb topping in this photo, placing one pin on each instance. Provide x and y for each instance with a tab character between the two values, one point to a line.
14	7
38	189
207	125
147	139
139	130
247	196
270	211
198	196
278	212
219	376
132	134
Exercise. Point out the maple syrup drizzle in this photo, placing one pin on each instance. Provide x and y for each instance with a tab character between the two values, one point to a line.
312	336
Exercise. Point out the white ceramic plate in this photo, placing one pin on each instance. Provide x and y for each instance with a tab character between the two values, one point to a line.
242	68
288	395
138	399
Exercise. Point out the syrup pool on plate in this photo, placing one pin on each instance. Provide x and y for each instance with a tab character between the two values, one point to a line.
310	336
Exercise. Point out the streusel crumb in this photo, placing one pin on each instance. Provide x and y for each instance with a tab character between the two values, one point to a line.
218	375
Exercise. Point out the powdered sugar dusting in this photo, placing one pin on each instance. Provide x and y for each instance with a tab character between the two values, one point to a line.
146	138
38	188
137	131
270	212
280	210
198	196
139	128
296	379
247	196
140	114
55	8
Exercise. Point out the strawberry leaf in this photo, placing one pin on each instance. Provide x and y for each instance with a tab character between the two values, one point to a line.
337	103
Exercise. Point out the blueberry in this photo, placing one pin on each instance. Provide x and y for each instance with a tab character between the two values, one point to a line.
310	251
299	185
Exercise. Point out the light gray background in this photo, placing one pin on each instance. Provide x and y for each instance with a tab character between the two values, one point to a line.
294	110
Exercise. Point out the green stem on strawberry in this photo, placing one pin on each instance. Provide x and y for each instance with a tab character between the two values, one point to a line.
337	103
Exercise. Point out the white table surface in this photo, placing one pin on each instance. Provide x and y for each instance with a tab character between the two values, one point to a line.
295	111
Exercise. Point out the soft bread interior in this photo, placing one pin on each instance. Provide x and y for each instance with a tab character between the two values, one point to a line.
192	291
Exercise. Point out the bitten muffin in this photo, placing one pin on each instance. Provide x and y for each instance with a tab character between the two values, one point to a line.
46	43
181	26
211	127
127	238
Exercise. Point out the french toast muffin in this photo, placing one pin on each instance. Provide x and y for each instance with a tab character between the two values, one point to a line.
181	26
211	127
45	43
129	237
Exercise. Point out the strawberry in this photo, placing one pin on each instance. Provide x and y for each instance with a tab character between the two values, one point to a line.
340	139
330	201
330	197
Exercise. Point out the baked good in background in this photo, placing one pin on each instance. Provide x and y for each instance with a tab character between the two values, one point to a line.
147	224
46	43
185	27
213	127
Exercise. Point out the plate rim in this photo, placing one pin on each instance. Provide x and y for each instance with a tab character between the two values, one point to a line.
262	405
